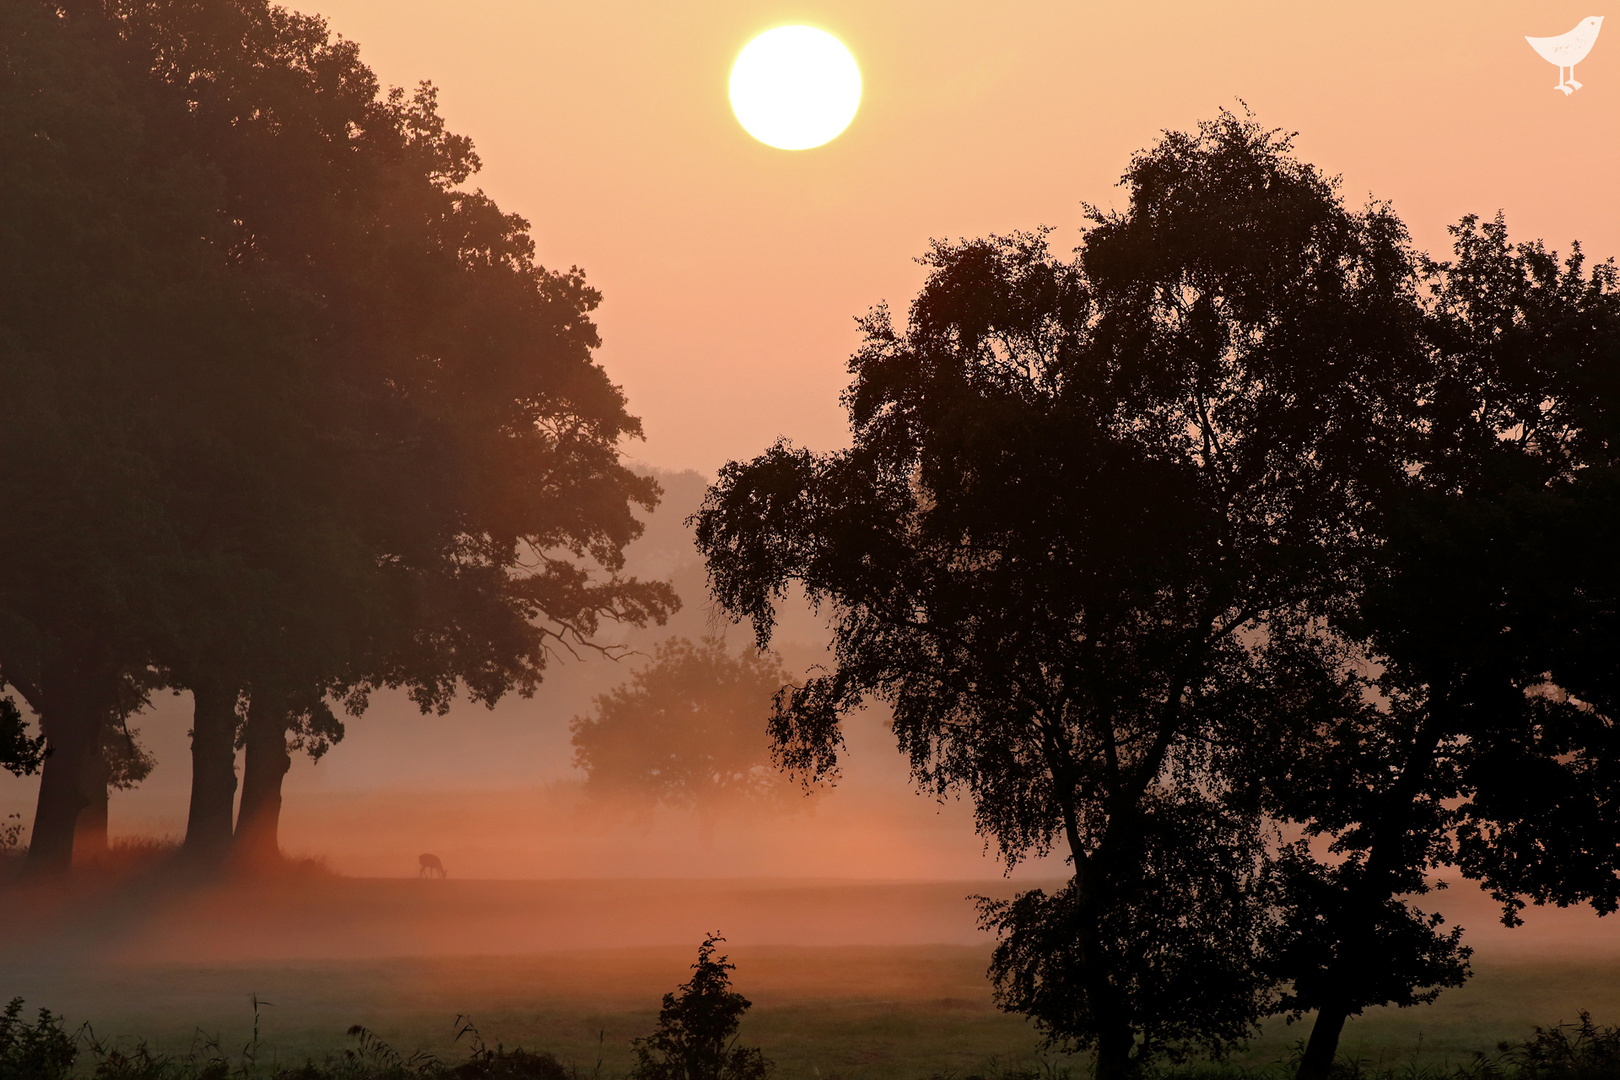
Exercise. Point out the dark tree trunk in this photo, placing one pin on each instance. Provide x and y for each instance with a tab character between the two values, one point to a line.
1391	840
1114	1061
1116	1037
1323	1045
71	721
90	831
266	763
213	773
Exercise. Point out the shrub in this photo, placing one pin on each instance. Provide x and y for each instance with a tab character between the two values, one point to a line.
1579	1051
696	1037
41	1052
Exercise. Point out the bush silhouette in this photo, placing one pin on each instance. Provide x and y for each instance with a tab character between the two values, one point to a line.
42	1051
697	1030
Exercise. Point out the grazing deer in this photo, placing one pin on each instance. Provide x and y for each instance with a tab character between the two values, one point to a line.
431	866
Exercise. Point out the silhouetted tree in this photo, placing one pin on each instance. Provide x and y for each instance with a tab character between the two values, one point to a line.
1093	513
696	1037
688	731
110	287
275	727
1473	726
341	432
472	442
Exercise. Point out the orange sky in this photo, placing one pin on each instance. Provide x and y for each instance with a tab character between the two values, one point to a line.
732	270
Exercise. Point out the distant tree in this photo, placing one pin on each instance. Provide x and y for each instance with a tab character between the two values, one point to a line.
1475	722
696	1037
1093	517
689	731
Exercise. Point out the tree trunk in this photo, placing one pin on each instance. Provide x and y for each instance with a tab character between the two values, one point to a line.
1114	1061
1116	1037
1323	1045
213	773
90	830
71	723
1356	949
266	763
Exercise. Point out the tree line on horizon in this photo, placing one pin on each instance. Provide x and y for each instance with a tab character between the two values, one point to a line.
1254	560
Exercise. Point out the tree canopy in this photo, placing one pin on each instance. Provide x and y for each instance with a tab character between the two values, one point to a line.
1090	514
308	406
1474	723
1246	517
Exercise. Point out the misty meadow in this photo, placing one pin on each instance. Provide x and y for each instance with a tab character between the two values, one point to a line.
1194	653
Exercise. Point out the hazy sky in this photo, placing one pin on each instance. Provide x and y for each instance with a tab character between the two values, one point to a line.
732	271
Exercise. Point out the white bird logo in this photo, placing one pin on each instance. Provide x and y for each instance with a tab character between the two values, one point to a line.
1567	50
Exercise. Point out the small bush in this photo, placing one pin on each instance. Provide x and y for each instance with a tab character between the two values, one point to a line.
501	1063
1579	1051
516	1064
41	1052
696	1035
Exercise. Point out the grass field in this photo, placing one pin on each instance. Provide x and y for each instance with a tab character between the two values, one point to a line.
861	1011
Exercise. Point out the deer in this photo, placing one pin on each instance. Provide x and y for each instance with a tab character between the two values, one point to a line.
431	866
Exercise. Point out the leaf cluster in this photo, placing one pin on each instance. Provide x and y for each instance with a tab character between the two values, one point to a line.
20	753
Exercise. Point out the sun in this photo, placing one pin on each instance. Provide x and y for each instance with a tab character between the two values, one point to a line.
795	87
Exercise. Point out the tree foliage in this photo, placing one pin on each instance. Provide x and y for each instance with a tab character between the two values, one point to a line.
20	753
38	1051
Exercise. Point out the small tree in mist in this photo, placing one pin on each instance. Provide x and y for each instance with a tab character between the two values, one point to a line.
39	1051
689	731
696	1038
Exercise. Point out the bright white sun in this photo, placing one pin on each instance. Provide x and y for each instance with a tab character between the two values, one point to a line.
795	87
